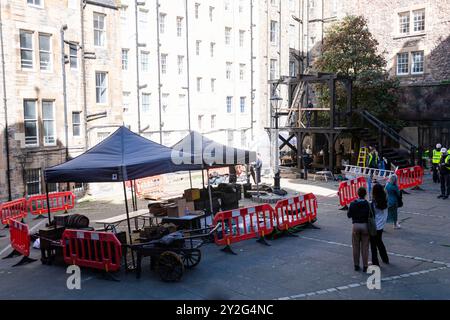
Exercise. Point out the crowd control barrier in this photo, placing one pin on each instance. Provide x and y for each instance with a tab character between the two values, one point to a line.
410	177
352	172
243	224
97	250
296	211
20	242
348	190
15	210
59	201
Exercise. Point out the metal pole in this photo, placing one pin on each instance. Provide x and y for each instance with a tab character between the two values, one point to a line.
5	105
138	81
63	67
188	67
48	204
158	46
83	68
252	94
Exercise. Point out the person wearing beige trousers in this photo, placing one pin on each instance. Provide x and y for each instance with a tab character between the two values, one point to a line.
359	212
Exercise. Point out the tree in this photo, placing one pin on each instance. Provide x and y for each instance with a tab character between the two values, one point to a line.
349	49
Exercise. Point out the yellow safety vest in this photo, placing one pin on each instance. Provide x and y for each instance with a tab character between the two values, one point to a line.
436	156
447	163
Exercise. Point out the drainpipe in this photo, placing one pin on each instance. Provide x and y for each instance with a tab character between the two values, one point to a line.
5	106
138	81
83	76
252	94
188	67
66	124
158	44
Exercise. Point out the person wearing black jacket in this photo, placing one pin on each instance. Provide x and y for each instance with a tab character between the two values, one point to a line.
359	213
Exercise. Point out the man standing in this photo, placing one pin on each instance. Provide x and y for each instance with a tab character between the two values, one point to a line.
435	162
445	174
372	161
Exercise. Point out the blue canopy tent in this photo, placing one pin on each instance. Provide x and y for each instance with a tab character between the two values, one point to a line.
212	154
121	157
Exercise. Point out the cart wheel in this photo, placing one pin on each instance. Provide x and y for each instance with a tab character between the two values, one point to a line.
191	258
170	267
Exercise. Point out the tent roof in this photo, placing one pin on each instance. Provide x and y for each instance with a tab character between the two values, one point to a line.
122	156
212	152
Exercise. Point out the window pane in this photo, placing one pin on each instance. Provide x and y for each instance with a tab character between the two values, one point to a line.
44	42
30	109
26	40
47	110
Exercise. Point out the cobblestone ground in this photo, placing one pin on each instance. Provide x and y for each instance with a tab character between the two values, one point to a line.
316	265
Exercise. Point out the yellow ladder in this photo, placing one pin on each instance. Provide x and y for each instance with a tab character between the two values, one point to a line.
362	157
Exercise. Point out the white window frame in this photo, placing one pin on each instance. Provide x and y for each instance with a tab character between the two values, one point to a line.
229	104
180	60
53	120
162	22
144	57
165	101
147	109
242	71
31	66
101	43
274	32
228	31
198	43
397	63
71	56
242	104
125	52
273	72
49	52
197	10
100	87
76	124
126	101
35	120
417	21
228	70
40	6
180	26
241	38
413	62
164	58
404	23
212	47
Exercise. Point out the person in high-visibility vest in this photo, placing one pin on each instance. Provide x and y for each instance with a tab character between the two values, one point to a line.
445	174
372	159
435	160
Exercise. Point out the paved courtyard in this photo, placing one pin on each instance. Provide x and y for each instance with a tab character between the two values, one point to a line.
316	265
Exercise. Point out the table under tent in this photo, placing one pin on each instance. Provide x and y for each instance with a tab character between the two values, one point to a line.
211	154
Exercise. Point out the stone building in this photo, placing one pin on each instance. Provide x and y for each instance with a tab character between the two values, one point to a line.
414	36
42	130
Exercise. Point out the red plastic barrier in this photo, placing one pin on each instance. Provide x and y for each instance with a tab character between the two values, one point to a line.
20	238
59	201
296	211
410	177
97	250
244	224
15	210
348	190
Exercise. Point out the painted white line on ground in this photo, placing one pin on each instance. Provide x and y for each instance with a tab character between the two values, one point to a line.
360	284
400	211
31	230
389	253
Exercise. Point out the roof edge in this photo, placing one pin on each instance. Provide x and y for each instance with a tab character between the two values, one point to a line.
102	4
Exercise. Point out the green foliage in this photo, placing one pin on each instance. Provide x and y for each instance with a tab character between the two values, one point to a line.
350	49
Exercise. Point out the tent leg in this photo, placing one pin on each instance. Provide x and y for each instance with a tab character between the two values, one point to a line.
48	204
128	221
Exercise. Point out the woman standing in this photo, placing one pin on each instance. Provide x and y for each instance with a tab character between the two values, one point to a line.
394	195
359	213
379	208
